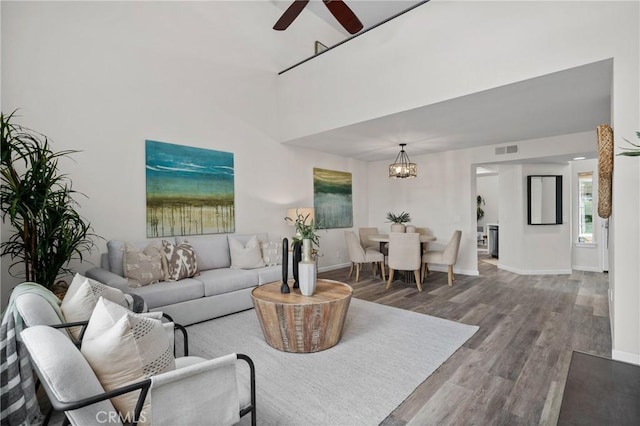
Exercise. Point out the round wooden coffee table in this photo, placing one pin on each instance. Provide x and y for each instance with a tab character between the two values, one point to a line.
295	323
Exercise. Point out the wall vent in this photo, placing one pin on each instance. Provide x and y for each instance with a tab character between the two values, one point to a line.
510	149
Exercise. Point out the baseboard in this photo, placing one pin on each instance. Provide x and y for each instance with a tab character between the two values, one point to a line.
586	268
443	268
625	357
534	271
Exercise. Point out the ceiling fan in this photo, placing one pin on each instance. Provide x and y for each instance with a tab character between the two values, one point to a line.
338	9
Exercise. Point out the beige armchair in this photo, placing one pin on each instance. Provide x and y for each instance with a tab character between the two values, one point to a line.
448	256
404	255
365	233
358	255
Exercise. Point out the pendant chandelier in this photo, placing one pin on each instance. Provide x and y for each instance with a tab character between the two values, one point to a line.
403	168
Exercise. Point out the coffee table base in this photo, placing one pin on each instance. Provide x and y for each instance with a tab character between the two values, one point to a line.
296	323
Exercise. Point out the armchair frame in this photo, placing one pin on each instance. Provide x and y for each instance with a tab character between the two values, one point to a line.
143	386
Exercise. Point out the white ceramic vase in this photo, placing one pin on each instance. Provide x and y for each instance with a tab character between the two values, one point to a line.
410	229
307	277
397	227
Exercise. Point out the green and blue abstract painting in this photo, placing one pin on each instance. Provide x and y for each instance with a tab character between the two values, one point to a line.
190	190
332	198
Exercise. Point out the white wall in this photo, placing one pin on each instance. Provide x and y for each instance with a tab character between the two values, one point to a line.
487	187
532	249
101	77
586	256
519	40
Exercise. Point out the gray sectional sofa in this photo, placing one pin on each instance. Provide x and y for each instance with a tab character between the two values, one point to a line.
217	290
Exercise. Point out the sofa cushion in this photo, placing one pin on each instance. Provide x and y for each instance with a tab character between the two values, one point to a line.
115	252
219	281
270	274
212	250
170	292
245	256
181	260
143	267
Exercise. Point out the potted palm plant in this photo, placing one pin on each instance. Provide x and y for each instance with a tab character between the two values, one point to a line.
37	200
398	221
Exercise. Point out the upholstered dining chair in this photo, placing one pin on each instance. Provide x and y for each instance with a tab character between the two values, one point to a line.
176	395
359	255
448	256
365	233
424	231
404	255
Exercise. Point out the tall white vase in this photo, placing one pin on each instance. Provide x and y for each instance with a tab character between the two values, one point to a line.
307	277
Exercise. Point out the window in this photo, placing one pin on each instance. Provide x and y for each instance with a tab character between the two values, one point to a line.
585	207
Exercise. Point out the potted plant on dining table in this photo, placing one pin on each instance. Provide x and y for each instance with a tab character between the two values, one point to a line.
398	221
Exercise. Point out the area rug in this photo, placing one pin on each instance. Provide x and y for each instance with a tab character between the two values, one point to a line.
384	354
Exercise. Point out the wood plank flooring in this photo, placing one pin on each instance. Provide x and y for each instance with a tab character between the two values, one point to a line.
513	370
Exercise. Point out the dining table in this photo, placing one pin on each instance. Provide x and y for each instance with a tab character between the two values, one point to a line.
384	239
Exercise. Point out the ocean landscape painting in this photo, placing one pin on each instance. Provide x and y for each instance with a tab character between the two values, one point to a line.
332	198
190	190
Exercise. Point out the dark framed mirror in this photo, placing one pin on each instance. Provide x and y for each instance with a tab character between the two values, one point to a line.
544	200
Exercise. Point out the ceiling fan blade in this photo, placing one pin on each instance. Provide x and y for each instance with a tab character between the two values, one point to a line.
290	14
344	15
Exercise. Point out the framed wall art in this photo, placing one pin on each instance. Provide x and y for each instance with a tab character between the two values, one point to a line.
190	190
332	198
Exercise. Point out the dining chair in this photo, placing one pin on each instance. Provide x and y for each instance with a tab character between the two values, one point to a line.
358	255
365	233
404	255
424	231
448	256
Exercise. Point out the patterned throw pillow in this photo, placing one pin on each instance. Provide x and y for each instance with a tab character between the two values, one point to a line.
143	267
181	260
123	348
81	298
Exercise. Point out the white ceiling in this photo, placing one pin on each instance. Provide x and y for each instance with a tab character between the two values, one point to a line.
565	102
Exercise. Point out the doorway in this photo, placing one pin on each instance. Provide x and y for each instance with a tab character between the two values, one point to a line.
487	211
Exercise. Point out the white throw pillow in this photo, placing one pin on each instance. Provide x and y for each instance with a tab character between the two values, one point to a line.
247	256
81	298
143	267
124	348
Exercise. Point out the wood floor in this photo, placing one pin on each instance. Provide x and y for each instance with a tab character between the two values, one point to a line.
513	370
